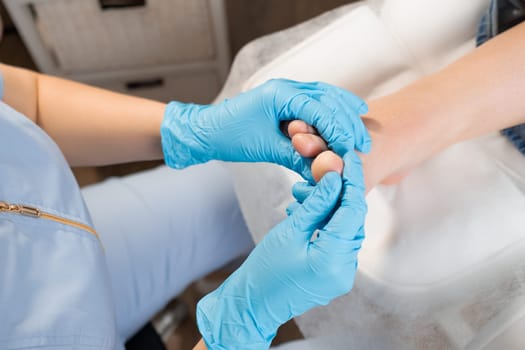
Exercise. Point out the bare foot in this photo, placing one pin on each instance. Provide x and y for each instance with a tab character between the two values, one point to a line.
305	139
308	145
325	162
300	127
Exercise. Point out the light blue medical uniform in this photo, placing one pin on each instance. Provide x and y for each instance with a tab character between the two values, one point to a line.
54	288
60	285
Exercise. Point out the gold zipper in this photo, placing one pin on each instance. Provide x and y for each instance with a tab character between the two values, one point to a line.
37	213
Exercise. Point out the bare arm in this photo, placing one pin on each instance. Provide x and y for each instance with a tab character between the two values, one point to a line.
92	126
480	93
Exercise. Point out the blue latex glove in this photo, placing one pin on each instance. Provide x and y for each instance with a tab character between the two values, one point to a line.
246	127
288	273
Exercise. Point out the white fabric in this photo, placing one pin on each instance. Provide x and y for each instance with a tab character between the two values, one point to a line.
442	266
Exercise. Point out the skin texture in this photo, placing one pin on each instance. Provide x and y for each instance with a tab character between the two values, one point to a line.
324	162
309	144
91	126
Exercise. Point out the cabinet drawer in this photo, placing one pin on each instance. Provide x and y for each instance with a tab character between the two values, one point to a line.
84	36
200	87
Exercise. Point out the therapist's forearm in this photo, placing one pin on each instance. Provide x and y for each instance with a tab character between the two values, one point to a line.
91	126
480	93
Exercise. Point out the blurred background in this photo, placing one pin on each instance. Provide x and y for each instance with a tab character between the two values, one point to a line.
159	49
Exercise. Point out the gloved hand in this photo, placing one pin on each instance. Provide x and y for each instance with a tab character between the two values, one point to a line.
289	273
246	127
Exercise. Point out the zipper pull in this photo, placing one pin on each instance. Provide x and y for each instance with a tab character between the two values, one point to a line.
28	211
4	206
20	209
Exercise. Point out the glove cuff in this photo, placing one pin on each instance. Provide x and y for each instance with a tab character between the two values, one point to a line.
177	138
227	323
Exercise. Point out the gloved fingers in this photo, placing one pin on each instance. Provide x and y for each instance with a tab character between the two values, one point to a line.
283	153
347	116
349	108
353	182
333	112
348	219
339	248
317	207
336	260
301	190
317	114
278	149
353	107
292	207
